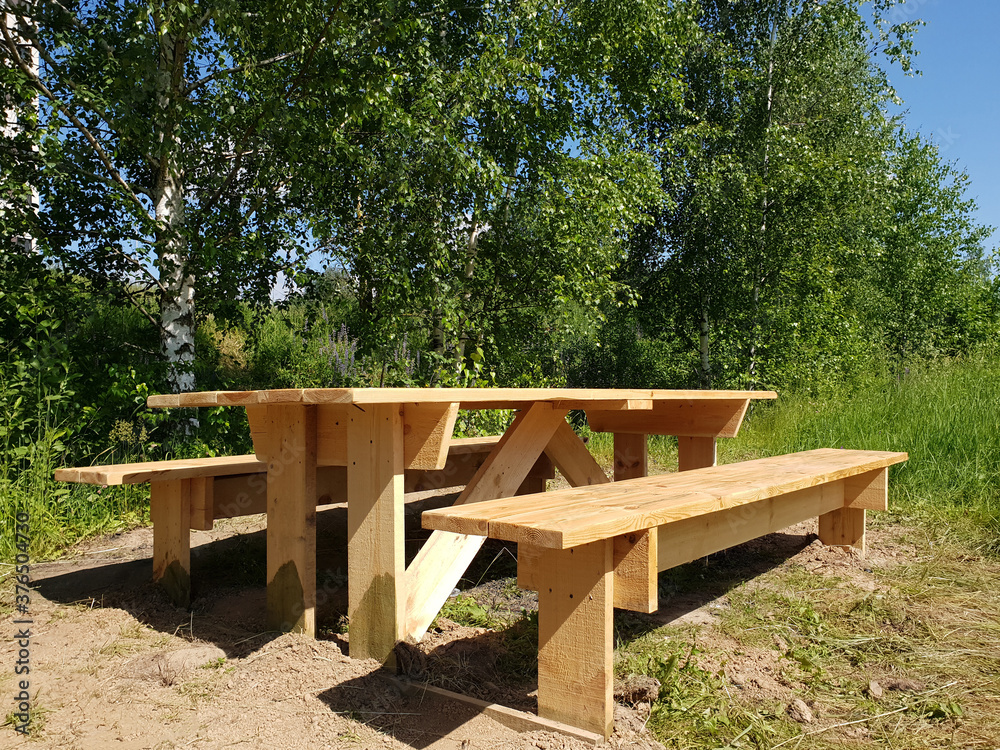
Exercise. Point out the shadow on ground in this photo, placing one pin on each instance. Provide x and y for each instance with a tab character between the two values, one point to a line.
228	584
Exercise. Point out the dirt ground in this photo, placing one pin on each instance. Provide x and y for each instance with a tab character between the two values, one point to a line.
114	664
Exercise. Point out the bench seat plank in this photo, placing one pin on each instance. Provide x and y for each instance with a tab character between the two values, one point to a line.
152	471
566	518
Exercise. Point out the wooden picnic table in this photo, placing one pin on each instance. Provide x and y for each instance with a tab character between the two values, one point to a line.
377	433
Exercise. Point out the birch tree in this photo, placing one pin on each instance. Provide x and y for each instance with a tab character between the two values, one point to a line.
532	104
182	144
18	197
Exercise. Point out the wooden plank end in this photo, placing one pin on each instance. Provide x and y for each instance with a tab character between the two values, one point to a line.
165	401
636	569
519	721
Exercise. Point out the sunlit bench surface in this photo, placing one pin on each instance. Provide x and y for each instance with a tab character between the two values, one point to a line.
591	548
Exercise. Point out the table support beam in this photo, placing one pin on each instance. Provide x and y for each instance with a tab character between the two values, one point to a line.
445	557
695	452
631	456
375	553
291	518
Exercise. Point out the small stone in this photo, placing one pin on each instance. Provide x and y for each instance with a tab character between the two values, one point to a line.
780	644
800	712
874	689
904	685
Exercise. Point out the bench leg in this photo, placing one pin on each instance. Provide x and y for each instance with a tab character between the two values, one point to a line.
202	503
170	512
575	636
631	456
844	527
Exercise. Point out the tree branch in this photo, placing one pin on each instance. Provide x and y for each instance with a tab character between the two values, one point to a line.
237	69
237	163
37	84
75	22
70	84
130	259
141	308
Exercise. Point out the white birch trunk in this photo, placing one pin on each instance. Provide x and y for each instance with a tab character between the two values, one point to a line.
12	124
177	301
471	251
758	268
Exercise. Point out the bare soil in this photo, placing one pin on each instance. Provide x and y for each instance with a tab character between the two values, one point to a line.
114	664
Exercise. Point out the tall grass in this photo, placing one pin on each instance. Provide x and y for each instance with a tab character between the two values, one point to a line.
946	416
60	514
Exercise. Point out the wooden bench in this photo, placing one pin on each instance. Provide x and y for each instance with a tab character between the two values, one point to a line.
589	549
193	493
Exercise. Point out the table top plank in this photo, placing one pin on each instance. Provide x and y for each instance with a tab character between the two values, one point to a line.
469	398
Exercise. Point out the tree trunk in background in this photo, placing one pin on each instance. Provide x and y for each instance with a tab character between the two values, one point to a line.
177	300
757	269
12	122
705	375
464	334
177	322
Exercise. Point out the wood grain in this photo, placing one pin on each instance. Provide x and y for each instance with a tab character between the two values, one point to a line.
695	417
695	452
427	431
375	531
631	455
469	398
202	503
572	458
565	518
170	510
291	519
869	491
575	637
692	538
151	471
844	527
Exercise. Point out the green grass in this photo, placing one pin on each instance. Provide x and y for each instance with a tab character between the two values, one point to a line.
929	622
60	514
946	416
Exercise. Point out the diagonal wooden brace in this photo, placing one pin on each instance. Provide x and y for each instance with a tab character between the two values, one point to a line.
440	563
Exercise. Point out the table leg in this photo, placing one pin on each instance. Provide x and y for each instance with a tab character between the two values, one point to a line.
291	518
631	456
375	554
170	512
695	452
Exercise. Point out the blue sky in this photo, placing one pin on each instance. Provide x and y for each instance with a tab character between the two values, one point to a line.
956	102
